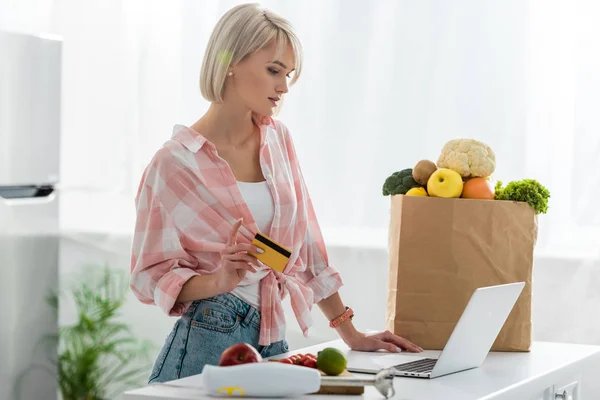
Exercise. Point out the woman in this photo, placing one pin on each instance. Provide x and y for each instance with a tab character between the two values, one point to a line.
211	188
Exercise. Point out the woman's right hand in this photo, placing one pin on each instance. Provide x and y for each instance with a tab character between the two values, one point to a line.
235	261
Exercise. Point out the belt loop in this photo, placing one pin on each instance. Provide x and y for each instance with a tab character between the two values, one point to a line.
248	316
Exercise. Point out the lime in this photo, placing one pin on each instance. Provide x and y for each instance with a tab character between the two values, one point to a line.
331	361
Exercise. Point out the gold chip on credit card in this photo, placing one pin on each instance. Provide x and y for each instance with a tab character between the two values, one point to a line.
275	255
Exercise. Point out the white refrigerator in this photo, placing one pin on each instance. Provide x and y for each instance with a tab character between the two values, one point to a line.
30	109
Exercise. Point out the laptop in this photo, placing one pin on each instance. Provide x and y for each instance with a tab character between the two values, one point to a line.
467	347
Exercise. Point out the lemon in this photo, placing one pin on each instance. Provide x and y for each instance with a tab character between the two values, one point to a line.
417	191
331	361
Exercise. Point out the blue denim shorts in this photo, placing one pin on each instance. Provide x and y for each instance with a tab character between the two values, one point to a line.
208	328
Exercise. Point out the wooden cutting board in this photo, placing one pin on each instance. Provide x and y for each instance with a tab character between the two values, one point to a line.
357	390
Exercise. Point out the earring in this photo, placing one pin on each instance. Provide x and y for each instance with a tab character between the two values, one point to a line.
230	73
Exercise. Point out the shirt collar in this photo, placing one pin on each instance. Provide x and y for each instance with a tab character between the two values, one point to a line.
191	139
194	141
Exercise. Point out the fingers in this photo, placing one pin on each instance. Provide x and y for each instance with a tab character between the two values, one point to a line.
240	265
234	232
236	248
392	348
404	344
245	266
239	257
242	259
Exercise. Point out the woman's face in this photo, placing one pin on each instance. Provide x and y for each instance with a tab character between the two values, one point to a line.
261	79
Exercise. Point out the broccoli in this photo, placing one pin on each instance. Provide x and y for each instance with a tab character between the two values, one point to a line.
399	182
526	190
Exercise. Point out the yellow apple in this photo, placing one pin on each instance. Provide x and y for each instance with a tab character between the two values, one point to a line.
417	191
445	183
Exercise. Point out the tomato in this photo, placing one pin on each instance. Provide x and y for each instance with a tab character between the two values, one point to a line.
296	358
310	363
308	357
286	361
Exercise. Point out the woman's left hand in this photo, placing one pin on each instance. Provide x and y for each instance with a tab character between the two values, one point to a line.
381	341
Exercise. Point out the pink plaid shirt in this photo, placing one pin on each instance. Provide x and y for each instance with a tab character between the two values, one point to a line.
187	203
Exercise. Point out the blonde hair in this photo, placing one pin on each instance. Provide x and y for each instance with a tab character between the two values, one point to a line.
241	31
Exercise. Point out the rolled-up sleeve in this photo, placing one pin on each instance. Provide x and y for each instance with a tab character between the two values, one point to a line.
160	266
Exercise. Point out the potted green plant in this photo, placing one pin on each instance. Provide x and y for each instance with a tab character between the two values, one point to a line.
98	357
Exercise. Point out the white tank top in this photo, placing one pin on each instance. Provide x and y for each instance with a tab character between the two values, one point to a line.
260	202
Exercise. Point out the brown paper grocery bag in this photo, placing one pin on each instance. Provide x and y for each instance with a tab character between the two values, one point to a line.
441	250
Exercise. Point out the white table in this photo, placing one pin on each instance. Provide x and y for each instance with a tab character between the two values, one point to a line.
549	369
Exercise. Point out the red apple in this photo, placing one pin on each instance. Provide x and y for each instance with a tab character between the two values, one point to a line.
241	353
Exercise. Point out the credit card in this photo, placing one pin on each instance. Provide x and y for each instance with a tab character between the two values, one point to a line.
275	256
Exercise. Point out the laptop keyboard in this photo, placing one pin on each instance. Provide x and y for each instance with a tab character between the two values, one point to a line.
419	366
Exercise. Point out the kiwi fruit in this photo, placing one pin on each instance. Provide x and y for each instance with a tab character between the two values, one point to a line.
423	170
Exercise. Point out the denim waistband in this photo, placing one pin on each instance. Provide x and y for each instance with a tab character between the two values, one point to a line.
245	311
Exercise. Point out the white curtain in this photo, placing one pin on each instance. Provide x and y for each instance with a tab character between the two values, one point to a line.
385	83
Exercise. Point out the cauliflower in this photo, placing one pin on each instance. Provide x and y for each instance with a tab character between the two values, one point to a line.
468	157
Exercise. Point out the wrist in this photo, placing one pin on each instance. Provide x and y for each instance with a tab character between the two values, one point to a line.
220	284
348	333
344	326
333	308
199	287
341	318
